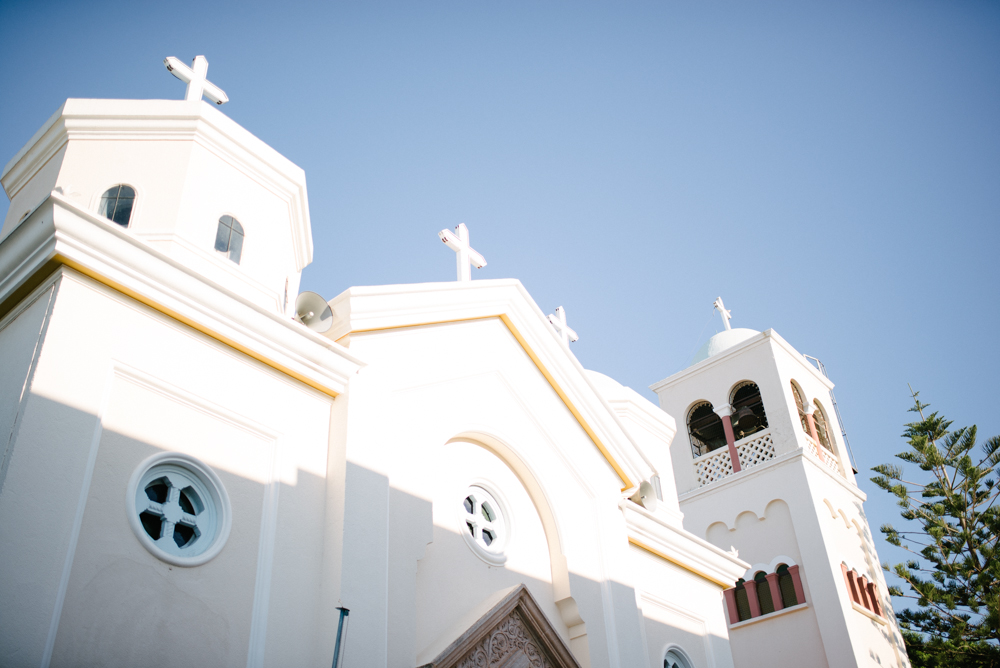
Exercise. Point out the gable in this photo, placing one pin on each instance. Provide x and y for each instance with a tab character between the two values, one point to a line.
362	310
513	634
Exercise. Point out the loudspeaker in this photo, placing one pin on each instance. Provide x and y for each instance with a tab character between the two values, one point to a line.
313	312
646	496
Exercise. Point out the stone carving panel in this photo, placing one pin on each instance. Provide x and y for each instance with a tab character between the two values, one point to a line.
508	645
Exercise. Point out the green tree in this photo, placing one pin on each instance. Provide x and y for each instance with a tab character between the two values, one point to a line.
951	532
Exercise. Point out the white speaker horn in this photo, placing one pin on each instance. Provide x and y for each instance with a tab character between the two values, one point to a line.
646	496
313	312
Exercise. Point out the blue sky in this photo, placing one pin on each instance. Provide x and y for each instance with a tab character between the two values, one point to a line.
831	169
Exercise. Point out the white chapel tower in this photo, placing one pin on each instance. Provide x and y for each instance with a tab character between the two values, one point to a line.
761	469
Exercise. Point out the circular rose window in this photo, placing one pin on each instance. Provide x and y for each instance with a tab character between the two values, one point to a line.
178	509
484	524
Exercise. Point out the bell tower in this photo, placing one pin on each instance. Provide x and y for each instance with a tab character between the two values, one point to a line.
178	177
761	470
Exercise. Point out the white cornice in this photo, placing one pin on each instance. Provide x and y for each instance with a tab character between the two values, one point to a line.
757	340
680	547
59	231
369	309
702	495
170	120
655	420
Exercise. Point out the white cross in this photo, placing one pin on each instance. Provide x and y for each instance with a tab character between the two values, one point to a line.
726	315
458	241
194	76
562	329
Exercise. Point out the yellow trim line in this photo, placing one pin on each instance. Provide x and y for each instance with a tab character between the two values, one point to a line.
156	306
538	363
657	553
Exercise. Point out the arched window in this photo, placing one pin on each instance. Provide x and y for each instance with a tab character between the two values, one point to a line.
800	404
675	659
229	238
742	602
764	593
705	428
787	587
822	428
116	204
748	410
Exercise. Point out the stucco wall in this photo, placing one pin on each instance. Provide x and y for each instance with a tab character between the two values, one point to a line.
116	382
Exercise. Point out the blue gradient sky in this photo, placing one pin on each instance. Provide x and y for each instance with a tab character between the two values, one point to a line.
831	169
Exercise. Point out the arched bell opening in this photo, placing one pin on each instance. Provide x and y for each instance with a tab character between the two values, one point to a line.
800	406
822	426
705	429
748	415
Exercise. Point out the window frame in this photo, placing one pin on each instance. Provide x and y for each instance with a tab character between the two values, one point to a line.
228	252
132	210
496	553
209	487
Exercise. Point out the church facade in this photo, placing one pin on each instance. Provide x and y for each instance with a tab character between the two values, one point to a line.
197	472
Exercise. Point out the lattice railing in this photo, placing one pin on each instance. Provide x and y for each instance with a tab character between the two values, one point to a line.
829	460
811	446
755	450
713	466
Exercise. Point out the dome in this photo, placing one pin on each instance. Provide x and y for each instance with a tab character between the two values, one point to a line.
722	341
606	386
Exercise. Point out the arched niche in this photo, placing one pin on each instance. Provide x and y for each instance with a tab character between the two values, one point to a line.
567	606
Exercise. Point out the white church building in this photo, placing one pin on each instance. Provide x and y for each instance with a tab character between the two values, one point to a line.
199	469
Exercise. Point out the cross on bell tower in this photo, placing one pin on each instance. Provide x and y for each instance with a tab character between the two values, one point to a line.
726	315
195	77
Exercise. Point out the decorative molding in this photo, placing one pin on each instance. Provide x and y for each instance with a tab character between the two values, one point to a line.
515	632
770	615
81	505
366	310
674	609
170	120
648	532
60	233
752	342
781	460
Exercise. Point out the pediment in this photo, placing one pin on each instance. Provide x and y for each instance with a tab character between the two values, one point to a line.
514	634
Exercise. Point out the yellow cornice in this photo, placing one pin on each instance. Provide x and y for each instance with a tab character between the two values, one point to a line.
505	319
221	338
657	553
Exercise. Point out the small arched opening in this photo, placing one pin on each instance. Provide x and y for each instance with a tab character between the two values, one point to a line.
676	658
763	593
786	585
229	238
116	204
800	406
822	426
748	415
705	429
742	601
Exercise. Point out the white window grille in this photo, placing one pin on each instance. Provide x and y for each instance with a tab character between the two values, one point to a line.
178	509
485	524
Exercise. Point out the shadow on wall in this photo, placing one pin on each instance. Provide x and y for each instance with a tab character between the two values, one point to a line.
413	586
104	599
260	600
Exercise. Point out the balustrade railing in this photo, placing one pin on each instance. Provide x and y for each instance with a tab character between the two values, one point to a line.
713	466
827	458
717	464
753	451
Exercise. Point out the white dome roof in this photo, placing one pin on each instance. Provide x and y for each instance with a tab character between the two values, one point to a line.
722	341
607	386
